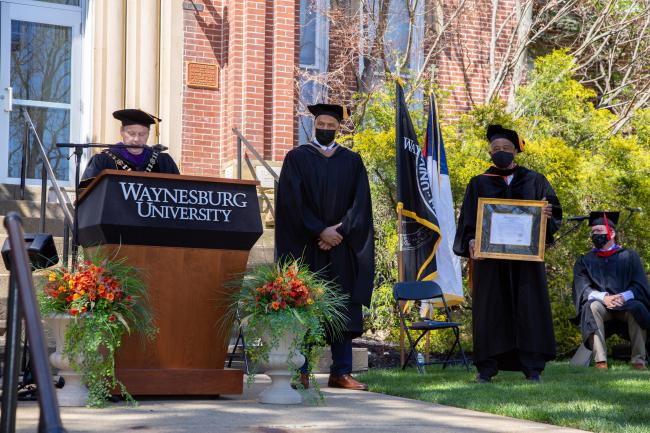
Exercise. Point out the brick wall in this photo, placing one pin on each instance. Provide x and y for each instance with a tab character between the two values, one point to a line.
253	42
463	67
203	114
256	44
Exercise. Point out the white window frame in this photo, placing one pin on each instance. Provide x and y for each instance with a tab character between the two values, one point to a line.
322	36
57	14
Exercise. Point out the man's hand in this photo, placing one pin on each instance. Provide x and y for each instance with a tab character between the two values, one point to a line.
547	209
613	301
472	245
324	245
330	236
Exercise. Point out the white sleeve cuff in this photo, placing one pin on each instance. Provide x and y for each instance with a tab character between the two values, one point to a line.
627	295
596	295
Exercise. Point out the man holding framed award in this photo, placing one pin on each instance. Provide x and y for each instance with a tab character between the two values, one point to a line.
508	214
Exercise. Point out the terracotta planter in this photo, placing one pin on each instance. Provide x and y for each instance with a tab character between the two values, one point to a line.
74	393
280	391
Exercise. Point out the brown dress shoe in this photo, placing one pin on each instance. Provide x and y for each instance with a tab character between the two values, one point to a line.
601	365
347	382
304	381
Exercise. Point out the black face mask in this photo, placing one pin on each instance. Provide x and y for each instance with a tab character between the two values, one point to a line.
599	240
502	159
325	136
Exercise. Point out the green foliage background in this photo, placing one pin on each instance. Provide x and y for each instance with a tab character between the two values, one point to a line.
568	140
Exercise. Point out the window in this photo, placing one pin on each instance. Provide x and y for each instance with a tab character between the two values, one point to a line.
314	34
39	68
314	53
396	36
312	92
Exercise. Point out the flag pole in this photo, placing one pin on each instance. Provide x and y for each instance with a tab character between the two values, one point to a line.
400	267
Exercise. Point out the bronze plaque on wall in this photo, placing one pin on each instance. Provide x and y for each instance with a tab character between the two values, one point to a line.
203	75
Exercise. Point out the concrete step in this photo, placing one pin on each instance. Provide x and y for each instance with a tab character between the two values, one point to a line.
32	192
33	225
31	209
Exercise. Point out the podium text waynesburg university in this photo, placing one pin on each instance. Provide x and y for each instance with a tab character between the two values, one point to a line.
189	235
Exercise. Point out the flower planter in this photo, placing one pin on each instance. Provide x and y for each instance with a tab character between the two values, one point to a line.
277	368
74	393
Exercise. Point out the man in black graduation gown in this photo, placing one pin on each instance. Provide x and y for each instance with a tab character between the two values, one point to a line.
134	132
610	285
324	215
512	324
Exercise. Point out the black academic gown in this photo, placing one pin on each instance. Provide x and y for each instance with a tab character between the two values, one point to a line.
103	161
618	273
510	304
316	192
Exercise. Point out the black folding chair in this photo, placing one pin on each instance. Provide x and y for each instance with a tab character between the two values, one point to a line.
239	329
420	291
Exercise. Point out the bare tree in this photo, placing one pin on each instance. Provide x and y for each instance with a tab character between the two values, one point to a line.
611	42
362	52
609	38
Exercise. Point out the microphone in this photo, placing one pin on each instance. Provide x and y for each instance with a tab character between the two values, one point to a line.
634	209
159	147
578	218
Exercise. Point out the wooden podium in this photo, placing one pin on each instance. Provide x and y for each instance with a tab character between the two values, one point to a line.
189	235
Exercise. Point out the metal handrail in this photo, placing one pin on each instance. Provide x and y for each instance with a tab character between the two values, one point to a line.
240	155
241	139
22	295
266	198
62	197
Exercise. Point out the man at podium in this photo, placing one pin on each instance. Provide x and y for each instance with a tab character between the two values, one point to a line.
134	132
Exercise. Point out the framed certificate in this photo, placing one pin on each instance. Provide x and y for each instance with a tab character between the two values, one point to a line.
510	229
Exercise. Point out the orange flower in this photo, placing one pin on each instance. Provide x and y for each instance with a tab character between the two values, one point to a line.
110	296
275	305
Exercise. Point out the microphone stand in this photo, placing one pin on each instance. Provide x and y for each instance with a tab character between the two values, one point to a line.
631	211
78	153
629	216
576	226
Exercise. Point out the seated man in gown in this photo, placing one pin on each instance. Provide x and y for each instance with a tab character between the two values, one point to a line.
611	293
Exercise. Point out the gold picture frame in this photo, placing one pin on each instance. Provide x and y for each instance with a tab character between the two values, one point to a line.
510	229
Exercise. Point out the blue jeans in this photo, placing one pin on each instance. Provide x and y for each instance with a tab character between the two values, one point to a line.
341	358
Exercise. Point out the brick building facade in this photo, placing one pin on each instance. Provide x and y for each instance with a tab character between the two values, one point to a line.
257	45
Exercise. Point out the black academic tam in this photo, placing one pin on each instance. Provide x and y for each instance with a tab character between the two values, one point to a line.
316	192
511	309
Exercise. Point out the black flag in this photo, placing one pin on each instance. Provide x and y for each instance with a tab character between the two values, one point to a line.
420	232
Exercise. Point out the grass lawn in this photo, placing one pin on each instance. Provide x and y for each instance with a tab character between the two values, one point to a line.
614	401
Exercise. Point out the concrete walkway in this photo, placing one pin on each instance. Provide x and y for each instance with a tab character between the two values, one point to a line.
343	411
